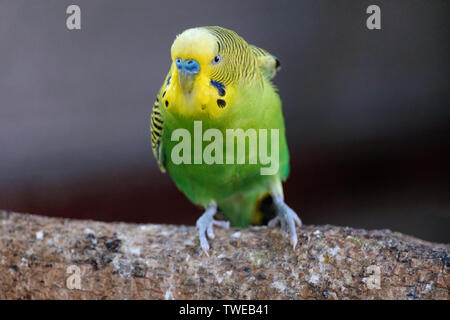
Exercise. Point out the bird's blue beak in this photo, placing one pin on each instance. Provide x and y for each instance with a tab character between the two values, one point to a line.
187	71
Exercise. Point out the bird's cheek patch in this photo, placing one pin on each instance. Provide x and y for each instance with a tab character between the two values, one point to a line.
219	86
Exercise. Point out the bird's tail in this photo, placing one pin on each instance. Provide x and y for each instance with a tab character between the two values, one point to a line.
264	210
244	209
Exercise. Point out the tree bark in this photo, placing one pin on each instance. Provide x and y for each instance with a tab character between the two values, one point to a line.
52	258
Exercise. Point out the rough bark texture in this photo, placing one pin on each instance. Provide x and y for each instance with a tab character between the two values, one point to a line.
42	258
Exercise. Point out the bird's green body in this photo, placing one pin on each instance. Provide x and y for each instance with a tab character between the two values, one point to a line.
251	103
235	187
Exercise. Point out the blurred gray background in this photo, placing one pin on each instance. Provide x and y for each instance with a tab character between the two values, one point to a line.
367	112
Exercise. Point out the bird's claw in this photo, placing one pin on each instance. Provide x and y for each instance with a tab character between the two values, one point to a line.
287	218
205	225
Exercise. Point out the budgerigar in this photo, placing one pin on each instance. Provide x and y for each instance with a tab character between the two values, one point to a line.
217	78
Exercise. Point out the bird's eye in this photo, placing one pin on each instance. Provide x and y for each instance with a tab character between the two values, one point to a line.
217	59
178	63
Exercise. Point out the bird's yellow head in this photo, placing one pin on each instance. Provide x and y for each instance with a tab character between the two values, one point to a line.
208	63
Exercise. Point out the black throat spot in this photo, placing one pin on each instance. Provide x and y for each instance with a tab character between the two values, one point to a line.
221	103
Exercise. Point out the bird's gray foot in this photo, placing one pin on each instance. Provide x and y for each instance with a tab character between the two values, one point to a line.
287	218
205	226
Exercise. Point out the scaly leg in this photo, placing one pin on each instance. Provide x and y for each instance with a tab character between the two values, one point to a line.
205	226
286	217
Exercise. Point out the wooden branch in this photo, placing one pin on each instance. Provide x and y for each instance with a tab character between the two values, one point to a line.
48	258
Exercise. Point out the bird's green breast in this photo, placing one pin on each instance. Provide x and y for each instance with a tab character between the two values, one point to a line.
253	108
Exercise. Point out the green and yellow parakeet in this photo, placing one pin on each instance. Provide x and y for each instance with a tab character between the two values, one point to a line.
216	78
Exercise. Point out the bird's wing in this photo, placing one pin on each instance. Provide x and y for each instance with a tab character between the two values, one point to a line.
267	63
156	128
